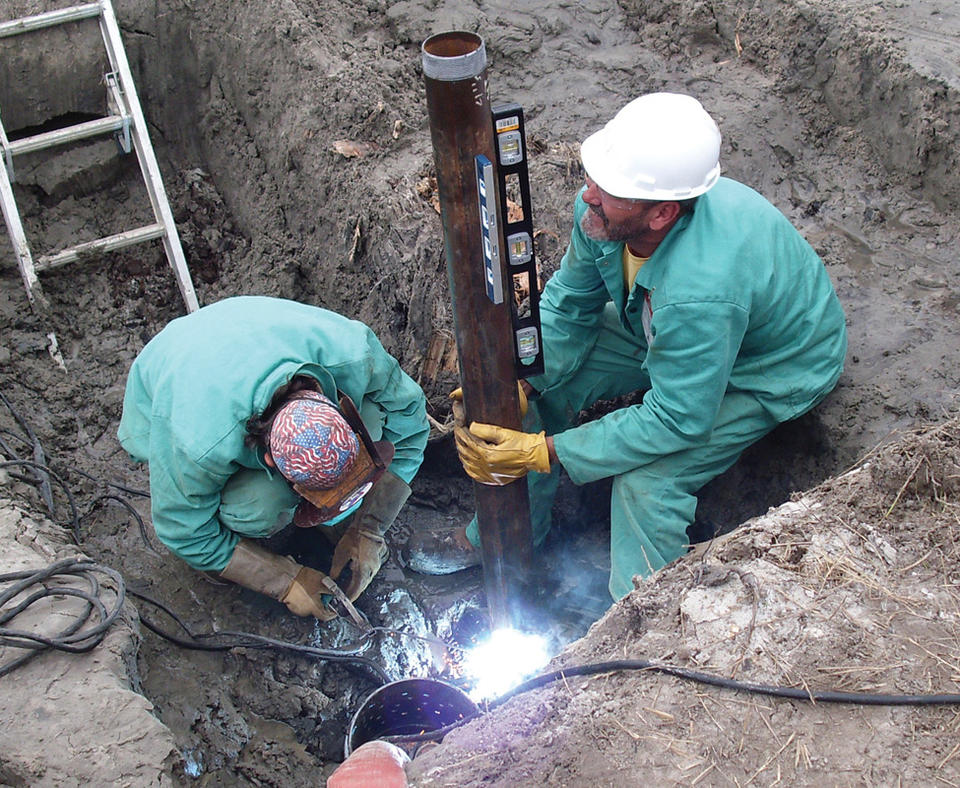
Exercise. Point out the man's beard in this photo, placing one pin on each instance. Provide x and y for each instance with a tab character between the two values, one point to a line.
597	226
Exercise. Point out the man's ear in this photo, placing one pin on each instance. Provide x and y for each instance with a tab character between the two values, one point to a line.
268	459
665	215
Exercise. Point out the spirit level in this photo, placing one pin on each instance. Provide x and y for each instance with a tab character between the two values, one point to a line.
516	224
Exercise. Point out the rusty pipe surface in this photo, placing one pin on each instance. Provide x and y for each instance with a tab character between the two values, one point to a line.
461	127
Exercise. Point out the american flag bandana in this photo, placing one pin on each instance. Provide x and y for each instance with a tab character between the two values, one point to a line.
311	443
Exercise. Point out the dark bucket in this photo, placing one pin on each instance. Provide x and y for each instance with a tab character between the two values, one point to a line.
405	707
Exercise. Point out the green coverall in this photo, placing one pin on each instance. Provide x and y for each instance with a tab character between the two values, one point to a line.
731	327
192	388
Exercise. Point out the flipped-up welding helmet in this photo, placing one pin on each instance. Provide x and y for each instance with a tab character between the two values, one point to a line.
370	463
336	461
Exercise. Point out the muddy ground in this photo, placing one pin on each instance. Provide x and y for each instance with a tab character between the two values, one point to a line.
293	141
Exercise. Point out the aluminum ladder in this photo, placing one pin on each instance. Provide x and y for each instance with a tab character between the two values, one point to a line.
127	122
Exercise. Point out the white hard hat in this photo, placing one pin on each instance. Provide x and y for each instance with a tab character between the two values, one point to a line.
661	146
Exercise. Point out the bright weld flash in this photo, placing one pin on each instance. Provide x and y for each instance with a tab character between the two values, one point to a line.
502	661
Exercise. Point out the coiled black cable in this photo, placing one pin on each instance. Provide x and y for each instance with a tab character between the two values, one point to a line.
30	586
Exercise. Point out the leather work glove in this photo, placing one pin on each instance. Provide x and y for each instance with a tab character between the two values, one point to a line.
457	396
496	455
363	547
299	587
305	595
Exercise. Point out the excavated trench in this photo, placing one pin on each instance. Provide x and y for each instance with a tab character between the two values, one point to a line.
293	141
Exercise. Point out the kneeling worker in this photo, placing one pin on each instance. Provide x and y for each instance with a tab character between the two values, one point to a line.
680	284
249	409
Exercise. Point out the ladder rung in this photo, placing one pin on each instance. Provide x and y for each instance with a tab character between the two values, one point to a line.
110	243
49	139
49	19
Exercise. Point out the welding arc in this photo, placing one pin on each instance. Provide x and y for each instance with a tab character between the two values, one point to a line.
792	693
227	640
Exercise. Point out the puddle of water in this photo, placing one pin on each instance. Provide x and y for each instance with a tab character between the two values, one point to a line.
193	762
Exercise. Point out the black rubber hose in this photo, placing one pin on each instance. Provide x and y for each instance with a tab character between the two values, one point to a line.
115	485
792	693
133	513
39	458
74	517
74	637
199	641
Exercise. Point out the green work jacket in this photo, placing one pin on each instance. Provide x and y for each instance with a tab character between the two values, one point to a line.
733	299
193	387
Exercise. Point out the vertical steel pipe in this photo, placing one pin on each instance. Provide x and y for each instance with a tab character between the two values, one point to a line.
461	127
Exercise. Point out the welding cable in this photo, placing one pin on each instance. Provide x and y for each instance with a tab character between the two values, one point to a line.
228	640
73	638
133	512
74	518
792	693
39	458
115	485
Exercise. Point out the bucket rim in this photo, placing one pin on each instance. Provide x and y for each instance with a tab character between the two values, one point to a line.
385	688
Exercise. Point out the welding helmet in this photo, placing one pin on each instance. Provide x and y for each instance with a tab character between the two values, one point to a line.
661	146
326	452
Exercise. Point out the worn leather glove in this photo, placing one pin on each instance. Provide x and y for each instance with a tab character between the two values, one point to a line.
457	396
363	547
279	577
305	595
496	455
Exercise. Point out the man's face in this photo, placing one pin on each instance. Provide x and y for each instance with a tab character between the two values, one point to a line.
610	218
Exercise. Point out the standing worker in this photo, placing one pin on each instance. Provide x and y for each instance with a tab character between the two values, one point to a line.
681	284
245	409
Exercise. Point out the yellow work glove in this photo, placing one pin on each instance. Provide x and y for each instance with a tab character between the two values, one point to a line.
305	595
496	455
457	396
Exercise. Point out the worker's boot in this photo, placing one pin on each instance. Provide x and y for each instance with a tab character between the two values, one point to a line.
440	551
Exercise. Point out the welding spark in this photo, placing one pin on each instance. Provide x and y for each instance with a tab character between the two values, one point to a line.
499	663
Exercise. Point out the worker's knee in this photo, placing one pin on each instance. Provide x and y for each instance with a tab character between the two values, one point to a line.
654	494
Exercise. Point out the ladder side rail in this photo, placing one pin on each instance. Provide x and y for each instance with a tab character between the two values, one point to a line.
145	155
19	240
48	19
7	153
